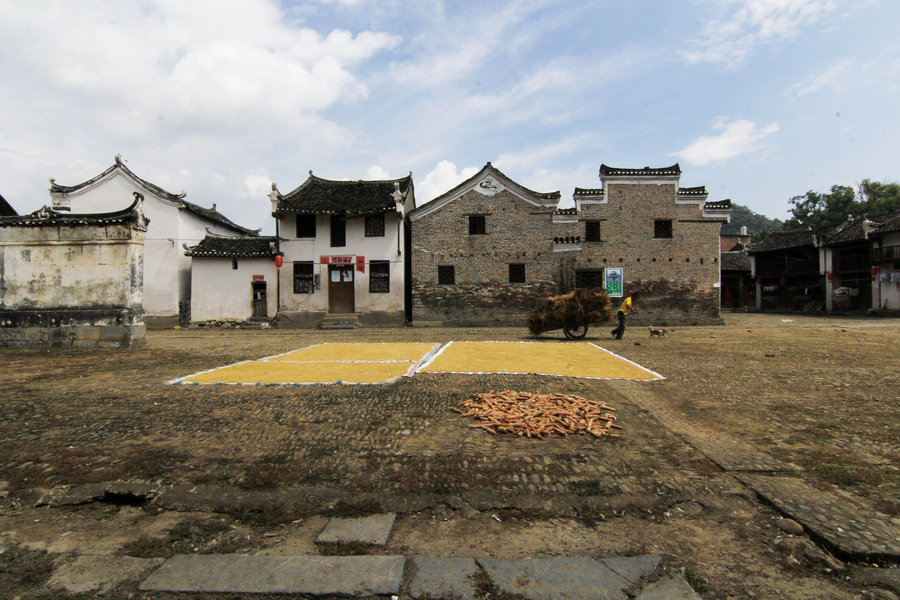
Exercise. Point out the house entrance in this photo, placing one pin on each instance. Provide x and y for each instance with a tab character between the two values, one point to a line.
340	289
259	300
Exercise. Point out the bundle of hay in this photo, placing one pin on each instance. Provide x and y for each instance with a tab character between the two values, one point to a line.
581	306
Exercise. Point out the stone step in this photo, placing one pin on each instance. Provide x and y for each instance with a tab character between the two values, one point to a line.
349	321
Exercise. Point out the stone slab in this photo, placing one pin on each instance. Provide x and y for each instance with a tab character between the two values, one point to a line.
100	574
669	587
373	529
435	577
850	525
559	578
245	574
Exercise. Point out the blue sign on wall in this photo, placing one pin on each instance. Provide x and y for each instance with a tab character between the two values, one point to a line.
612	281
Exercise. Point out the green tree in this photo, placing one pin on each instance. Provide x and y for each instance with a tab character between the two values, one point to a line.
877	197
815	210
742	216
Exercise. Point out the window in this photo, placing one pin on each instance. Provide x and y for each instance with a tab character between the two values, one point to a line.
592	231
477	225
446	275
375	226
379	276
303	278
234	264
517	272
338	231
306	226
588	279
662	228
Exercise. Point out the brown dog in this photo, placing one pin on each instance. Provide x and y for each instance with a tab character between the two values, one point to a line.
658	332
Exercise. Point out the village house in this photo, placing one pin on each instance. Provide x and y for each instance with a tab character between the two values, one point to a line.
487	250
72	280
233	279
345	248
851	267
173	222
483	252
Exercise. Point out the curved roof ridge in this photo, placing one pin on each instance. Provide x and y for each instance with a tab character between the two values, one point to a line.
118	165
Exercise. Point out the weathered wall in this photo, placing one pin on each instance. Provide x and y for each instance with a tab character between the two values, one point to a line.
71	286
678	276
516	232
221	292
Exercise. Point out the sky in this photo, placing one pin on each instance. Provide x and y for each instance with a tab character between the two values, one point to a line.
758	100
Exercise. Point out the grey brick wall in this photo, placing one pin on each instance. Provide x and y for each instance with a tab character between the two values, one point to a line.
677	275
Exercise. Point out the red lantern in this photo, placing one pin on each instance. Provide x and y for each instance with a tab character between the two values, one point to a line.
279	260
830	276
874	273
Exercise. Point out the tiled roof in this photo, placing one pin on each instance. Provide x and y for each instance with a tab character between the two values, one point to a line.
589	191
735	261
326	196
699	190
245	246
118	165
47	216
863	226
782	240
566	211
717	205
210	214
607	171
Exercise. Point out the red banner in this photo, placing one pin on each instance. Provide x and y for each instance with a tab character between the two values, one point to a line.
361	264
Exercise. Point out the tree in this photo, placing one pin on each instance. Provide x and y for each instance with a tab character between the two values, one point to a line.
742	216
815	210
877	197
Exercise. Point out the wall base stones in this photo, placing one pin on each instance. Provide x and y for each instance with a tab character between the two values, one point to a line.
71	328
499	305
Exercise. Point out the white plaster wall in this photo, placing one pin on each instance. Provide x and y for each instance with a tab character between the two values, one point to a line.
372	248
220	292
889	292
63	267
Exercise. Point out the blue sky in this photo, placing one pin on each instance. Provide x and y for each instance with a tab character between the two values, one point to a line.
758	100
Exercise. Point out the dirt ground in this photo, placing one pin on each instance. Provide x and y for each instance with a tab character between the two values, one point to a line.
819	393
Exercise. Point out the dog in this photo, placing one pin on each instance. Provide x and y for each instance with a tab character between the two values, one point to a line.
658	331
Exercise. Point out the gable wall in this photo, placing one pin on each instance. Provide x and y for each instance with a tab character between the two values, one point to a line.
517	232
677	276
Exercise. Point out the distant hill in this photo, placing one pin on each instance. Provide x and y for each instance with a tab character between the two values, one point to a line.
743	216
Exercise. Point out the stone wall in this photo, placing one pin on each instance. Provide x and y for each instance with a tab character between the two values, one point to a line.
516	232
71	328
72	281
678	275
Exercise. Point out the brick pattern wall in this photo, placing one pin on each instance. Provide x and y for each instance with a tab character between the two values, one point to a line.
676	275
516	232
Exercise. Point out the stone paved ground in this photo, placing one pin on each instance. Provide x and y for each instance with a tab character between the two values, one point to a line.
255	469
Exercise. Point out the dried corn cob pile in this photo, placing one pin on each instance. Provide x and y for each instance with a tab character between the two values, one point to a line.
539	415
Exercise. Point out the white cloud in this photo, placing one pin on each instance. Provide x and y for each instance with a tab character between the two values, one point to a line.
443	178
745	24
376	173
836	76
738	137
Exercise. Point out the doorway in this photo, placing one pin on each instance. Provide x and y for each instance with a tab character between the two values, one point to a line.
340	289
259	310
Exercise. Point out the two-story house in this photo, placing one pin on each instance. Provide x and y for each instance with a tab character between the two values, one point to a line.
345	247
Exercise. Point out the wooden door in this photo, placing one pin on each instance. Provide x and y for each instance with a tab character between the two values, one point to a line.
340	289
259	300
